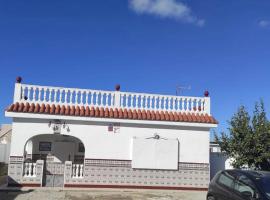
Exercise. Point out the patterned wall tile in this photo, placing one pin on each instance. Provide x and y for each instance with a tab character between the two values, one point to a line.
119	172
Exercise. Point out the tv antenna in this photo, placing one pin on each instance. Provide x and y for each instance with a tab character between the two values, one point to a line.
180	88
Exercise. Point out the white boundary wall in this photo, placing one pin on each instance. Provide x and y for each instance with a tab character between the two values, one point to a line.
4	152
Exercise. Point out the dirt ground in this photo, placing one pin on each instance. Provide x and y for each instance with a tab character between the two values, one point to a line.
102	194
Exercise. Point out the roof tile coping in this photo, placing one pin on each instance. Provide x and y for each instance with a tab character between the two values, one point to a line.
118	113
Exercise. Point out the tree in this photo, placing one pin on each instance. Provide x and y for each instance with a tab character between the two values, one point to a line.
248	141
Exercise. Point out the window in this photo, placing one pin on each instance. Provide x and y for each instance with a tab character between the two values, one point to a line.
226	179
244	185
45	146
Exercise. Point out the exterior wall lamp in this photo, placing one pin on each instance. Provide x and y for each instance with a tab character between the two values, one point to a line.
57	125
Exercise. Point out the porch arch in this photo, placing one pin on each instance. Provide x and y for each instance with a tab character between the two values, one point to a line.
54	148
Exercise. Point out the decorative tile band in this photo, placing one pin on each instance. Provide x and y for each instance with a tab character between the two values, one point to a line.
107	163
127	163
15	159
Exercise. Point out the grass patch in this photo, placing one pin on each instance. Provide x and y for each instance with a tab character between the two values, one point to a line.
3	169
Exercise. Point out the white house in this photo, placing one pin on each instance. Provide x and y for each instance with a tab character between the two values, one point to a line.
5	139
90	138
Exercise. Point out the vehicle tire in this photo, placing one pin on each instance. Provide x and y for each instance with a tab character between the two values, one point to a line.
210	198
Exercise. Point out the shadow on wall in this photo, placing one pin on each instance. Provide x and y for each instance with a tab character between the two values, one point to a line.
9	193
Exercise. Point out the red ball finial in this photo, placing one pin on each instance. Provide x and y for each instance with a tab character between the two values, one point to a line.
117	87
19	79
206	93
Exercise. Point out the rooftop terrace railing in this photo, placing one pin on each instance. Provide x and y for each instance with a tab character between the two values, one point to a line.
110	99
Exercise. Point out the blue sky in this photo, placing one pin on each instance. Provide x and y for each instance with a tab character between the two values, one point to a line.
144	45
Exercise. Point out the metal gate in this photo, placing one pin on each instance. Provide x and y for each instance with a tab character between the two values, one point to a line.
54	174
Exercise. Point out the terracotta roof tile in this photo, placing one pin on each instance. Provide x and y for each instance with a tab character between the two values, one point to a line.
96	112
106	112
62	110
207	118
101	112
189	118
144	115
32	108
115	113
82	111
134	114
72	110
36	110
130	114
194	119
171	116
120	113
176	118
57	110
139	114
125	114
167	117
92	112
67	110
111	113
162	116
85	111
52	108
77	111
20	109
27	105
157	115
197	117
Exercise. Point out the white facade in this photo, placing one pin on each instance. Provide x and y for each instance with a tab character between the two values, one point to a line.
101	144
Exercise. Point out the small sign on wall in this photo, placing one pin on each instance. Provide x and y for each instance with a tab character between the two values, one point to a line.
110	127
114	127
45	146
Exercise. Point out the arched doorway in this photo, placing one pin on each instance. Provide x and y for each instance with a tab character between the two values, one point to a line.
55	150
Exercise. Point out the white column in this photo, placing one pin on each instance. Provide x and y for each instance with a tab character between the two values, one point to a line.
207	104
73	170
39	165
117	99
34	169
68	171
17	92
81	171
77	170
25	173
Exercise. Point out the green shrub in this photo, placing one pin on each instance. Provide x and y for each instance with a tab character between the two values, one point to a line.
3	169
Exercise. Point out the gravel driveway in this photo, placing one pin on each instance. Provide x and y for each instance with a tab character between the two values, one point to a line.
102	194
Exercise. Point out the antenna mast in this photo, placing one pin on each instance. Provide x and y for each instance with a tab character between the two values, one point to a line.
179	89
